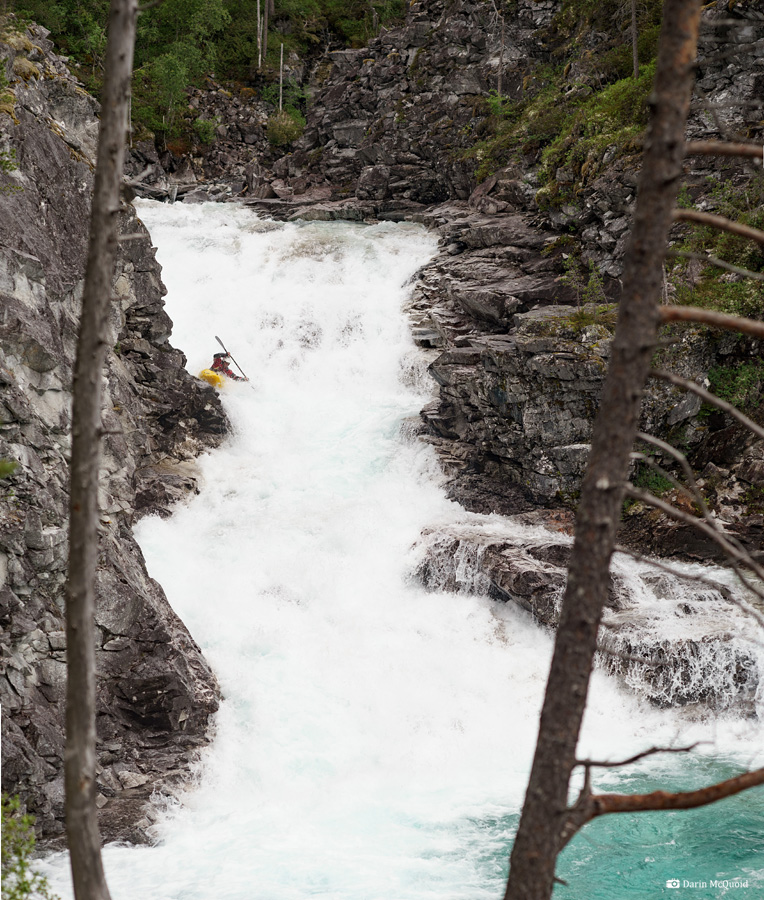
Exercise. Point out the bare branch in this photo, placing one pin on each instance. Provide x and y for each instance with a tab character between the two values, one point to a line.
723	148
747	104
734	550
734	554
590	763
589	806
613	803
670	570
719	222
710	317
734	50
701	579
137	179
656	467
694	491
728	23
709	398
717	263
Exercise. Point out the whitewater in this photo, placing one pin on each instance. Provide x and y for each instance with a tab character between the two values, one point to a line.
374	739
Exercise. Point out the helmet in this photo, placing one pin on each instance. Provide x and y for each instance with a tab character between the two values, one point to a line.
220	356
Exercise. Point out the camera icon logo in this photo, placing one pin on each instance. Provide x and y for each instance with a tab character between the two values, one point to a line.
673	883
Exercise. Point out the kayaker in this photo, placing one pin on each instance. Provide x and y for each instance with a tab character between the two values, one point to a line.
220	364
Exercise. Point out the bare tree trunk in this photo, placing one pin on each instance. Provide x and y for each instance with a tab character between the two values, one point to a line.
80	762
541	830
281	79
266	14
634	50
259	38
501	60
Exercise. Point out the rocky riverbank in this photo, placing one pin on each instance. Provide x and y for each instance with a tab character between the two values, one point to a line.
156	693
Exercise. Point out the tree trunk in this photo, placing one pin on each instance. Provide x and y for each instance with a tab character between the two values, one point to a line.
634	50
540	832
80	758
266	16
259	38
501	60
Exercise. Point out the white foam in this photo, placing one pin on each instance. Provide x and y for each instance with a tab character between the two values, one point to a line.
375	739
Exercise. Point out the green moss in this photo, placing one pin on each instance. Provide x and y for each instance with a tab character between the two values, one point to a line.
753	499
741	384
614	117
572	126
7	467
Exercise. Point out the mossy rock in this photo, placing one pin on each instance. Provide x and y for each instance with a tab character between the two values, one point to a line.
19	42
25	69
8	106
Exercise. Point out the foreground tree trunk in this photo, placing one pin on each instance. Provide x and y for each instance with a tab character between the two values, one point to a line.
540	834
80	758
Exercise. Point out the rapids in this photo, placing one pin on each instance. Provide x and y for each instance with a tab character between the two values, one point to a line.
375	738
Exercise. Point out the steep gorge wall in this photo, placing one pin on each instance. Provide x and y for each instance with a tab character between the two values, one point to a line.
156	693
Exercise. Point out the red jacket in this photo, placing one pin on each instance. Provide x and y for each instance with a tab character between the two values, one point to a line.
220	365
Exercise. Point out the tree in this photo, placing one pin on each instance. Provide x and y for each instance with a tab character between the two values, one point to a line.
80	756
545	814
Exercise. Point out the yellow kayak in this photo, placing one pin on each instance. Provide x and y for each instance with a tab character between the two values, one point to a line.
211	377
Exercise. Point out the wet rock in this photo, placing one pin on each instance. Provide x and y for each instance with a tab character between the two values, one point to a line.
673	643
155	691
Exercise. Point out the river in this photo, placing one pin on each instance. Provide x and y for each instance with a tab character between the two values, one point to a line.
375	739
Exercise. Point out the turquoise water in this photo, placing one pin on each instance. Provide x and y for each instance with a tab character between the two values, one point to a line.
629	856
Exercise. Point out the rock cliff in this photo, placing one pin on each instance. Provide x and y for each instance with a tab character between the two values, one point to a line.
155	691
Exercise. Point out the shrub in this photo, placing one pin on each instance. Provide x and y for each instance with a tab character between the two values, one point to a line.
19	880
205	129
284	127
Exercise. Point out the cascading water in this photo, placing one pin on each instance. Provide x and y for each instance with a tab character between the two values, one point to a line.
375	738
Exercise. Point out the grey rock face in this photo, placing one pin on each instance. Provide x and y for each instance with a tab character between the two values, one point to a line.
411	100
156	693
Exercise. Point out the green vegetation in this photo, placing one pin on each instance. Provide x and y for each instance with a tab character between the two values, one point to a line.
7	101
19	880
180	41
284	127
740	384
205	129
571	125
718	289
583	103
602	314
648	479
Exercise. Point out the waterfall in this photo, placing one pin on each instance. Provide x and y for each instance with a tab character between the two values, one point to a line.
375	736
